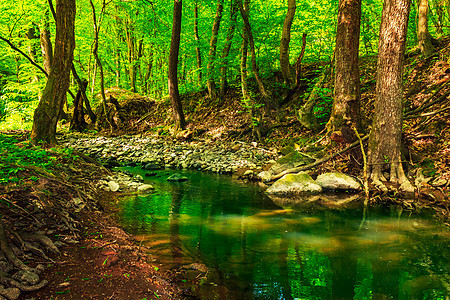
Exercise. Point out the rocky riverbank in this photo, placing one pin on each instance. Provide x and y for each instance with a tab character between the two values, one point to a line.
154	152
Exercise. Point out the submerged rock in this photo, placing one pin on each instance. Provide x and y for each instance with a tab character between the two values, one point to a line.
294	184
337	181
177	178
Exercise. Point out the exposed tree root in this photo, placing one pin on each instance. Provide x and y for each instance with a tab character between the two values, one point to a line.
42	239
22	287
6	248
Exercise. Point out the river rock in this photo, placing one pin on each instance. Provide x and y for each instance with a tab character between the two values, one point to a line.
113	186
145	188
177	178
337	182
294	184
151	167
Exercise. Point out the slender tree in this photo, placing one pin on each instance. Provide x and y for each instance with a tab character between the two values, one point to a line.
248	31
197	44
177	109
227	47
347	91
285	40
385	136
423	35
212	50
47	112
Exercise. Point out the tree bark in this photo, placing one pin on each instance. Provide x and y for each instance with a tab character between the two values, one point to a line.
97	58
285	40
197	44
227	47
46	44
248	30
423	35
177	109
243	66
78	123
212	50
385	136
347	91
47	112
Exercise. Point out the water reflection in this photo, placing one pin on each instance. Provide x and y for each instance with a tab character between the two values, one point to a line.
256	250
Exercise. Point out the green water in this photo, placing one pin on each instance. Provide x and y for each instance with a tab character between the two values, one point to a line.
257	250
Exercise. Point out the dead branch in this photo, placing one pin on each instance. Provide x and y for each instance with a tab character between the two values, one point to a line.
320	161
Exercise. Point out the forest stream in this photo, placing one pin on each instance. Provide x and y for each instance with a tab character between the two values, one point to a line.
230	241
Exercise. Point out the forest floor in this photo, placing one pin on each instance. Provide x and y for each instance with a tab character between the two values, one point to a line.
98	260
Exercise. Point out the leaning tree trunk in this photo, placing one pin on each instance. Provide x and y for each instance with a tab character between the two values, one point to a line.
177	109
423	35
212	50
248	30
385	136
285	40
47	112
347	91
227	47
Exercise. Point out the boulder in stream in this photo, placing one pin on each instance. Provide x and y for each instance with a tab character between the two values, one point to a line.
300	183
177	178
338	182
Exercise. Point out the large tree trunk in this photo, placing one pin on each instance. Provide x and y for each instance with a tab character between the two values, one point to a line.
385	137
46	44
212	50
227	47
131	44
285	40
347	91
197	44
47	112
423	35
177	109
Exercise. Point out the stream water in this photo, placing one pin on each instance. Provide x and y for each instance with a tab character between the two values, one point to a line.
254	249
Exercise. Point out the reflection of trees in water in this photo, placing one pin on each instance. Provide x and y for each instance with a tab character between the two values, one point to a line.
174	224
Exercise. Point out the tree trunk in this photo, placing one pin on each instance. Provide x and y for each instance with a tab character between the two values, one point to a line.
212	50
177	109
197	45
47	112
243	67
423	35
227	47
131	44
385	136
251	44
46	44
97	58
347	91
78	123
285	40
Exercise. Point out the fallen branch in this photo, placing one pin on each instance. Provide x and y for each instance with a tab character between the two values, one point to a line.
320	161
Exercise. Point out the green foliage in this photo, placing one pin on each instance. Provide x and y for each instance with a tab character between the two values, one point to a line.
16	157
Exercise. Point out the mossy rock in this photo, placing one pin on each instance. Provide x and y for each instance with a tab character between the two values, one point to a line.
289	184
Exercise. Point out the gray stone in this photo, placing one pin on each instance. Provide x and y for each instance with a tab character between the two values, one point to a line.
294	184
145	188
337	181
113	186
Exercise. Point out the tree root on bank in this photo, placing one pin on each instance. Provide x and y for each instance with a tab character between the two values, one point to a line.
24	288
